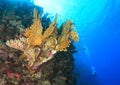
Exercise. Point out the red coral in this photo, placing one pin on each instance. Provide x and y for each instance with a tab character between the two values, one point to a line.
13	75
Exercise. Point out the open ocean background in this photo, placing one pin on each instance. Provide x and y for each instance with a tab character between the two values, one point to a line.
97	61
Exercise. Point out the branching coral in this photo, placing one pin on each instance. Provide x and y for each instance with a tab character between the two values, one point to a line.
19	44
38	46
34	33
66	36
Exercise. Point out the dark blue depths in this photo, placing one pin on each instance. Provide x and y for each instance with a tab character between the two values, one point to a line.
98	56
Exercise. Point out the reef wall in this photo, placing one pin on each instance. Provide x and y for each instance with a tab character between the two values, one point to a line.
33	51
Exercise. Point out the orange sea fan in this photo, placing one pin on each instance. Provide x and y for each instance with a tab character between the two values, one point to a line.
64	38
74	36
50	29
34	33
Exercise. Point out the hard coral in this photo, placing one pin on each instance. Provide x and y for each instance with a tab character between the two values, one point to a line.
19	44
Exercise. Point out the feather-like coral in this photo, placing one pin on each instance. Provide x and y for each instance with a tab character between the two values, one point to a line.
50	29
66	36
34	33
38	47
74	36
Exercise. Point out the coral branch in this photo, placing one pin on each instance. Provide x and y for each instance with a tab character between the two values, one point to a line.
50	29
34	33
66	36
19	44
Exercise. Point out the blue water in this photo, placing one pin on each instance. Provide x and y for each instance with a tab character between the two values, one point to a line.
98	24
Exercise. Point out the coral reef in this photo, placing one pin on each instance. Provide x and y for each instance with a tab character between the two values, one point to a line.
34	47
39	54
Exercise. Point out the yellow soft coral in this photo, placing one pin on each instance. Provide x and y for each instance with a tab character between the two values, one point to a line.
66	36
74	36
34	33
50	29
40	46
